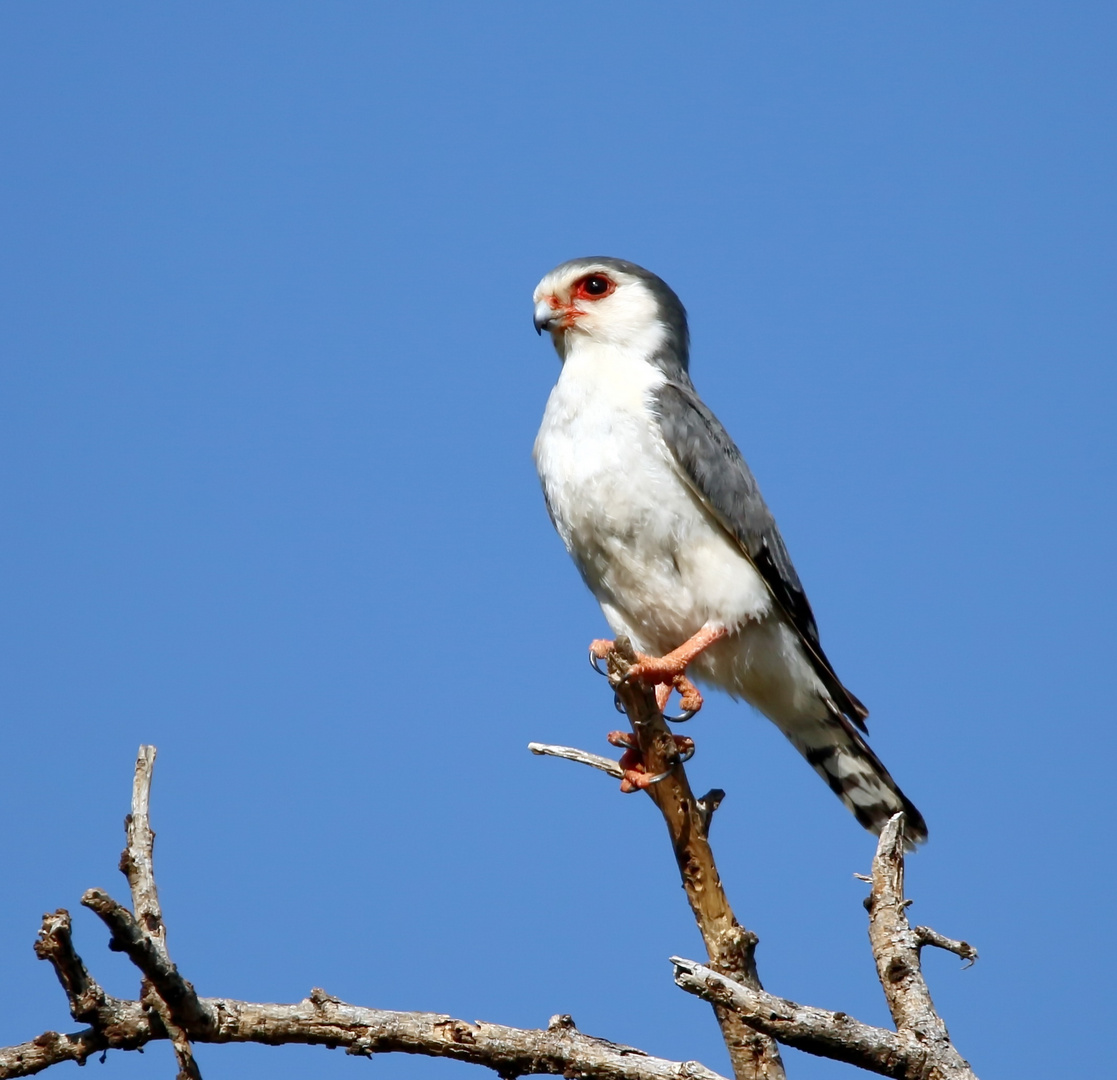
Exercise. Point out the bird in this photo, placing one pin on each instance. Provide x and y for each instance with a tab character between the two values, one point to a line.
667	527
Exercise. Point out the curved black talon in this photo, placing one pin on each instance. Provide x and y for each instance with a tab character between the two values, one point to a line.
617	703
682	718
593	664
684	757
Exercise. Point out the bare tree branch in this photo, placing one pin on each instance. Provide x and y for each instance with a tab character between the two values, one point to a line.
751	1020
817	1031
89	1004
964	949
323	1020
128	937
730	946
919	1049
170	1008
896	951
583	757
137	862
130	1030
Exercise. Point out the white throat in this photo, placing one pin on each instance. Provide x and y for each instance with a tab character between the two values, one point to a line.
609	374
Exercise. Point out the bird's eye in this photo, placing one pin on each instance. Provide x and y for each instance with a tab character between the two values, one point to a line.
594	287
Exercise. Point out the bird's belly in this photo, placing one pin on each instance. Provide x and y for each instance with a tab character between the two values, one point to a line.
660	566
764	662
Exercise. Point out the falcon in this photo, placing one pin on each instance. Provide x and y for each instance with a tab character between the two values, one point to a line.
668	528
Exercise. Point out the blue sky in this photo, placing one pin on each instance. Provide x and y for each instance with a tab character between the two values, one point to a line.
267	400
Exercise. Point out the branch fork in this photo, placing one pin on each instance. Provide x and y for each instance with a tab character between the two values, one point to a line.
168	1006
730	947
752	1020
919	1048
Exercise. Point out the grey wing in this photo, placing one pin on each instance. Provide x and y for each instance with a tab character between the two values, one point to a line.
717	473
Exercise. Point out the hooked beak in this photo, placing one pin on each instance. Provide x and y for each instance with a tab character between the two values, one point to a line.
546	317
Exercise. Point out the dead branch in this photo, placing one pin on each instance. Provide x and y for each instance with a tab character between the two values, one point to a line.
896	949
817	1031
919	1048
731	948
130	1030
137	860
128	937
178	1011
323	1020
752	1021
169	1007
964	949
89	1004
583	757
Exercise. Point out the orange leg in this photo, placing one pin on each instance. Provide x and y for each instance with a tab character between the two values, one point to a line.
664	669
668	672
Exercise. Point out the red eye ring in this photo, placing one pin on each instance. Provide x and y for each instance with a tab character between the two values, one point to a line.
594	287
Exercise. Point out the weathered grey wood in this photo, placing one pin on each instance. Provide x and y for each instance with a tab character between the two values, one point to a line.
137	863
144	951
919	1048
583	757
169	1007
560	1049
817	1031
752	1020
89	1004
896	950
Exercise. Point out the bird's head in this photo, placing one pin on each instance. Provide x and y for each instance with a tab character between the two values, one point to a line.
616	303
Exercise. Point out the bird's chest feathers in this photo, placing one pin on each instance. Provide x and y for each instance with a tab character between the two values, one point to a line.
616	498
599	452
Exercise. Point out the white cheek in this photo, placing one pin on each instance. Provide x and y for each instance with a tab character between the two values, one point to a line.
629	318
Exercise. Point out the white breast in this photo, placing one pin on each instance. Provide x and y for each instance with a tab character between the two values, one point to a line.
658	564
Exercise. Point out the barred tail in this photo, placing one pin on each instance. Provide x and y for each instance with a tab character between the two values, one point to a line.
840	755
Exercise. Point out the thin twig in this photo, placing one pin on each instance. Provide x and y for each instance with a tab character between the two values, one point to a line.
583	757
964	949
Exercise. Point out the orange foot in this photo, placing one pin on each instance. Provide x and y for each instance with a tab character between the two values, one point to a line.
690	700
668	672
636	777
